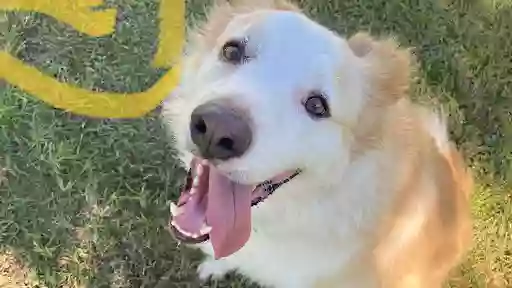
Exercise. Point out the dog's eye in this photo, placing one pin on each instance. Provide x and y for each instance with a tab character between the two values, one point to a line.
316	106
233	52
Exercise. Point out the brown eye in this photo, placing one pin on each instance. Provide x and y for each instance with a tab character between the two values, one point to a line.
317	106
233	52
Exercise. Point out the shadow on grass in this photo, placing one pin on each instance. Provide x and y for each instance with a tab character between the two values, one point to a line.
86	200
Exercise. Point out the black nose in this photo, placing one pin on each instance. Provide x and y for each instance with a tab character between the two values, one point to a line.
219	131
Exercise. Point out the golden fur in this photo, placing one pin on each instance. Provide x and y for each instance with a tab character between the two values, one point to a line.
391	122
394	124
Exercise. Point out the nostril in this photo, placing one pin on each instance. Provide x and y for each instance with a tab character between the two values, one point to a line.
200	126
218	131
226	143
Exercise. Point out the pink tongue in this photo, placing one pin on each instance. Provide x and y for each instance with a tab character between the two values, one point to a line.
228	213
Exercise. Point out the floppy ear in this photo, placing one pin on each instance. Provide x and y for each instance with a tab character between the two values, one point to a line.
389	66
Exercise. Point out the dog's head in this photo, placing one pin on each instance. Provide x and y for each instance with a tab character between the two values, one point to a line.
266	94
268	91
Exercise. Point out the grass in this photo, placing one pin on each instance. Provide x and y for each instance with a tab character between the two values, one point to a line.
83	202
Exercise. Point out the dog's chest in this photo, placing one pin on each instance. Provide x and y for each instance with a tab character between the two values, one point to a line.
296	245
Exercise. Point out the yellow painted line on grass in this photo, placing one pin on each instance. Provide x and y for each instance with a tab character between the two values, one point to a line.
78	14
82	101
172	32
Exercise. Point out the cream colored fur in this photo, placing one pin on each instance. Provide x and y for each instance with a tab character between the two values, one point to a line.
384	197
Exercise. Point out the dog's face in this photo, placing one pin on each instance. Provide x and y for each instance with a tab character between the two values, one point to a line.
271	92
268	95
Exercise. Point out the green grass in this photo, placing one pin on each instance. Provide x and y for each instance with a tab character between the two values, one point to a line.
83	202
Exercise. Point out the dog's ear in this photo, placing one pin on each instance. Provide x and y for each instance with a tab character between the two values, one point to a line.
205	33
361	44
389	66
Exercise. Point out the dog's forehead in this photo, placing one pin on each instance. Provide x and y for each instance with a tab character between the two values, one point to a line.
280	32
288	46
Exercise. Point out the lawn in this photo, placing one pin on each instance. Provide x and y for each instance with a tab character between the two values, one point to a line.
84	202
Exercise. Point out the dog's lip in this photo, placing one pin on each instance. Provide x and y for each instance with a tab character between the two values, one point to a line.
195	153
233	175
181	237
270	186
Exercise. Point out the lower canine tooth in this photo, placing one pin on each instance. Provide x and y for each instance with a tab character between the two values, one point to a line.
205	229
175	210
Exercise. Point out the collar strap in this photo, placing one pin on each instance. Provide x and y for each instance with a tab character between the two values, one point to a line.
269	187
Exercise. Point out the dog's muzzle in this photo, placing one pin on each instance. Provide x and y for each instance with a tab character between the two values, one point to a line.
219	131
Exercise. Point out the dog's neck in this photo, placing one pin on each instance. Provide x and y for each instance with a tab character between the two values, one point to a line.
351	194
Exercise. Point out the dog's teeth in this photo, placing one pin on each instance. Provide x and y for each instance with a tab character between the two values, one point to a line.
181	230
193	191
204	162
205	229
174	209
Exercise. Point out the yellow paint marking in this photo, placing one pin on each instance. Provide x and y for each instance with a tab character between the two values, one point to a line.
82	101
78	14
172	27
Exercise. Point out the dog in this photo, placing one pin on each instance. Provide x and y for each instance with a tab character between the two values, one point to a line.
308	163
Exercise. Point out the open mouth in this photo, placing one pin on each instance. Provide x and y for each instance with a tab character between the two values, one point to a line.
213	207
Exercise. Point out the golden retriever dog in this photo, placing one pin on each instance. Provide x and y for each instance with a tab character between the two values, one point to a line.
309	165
